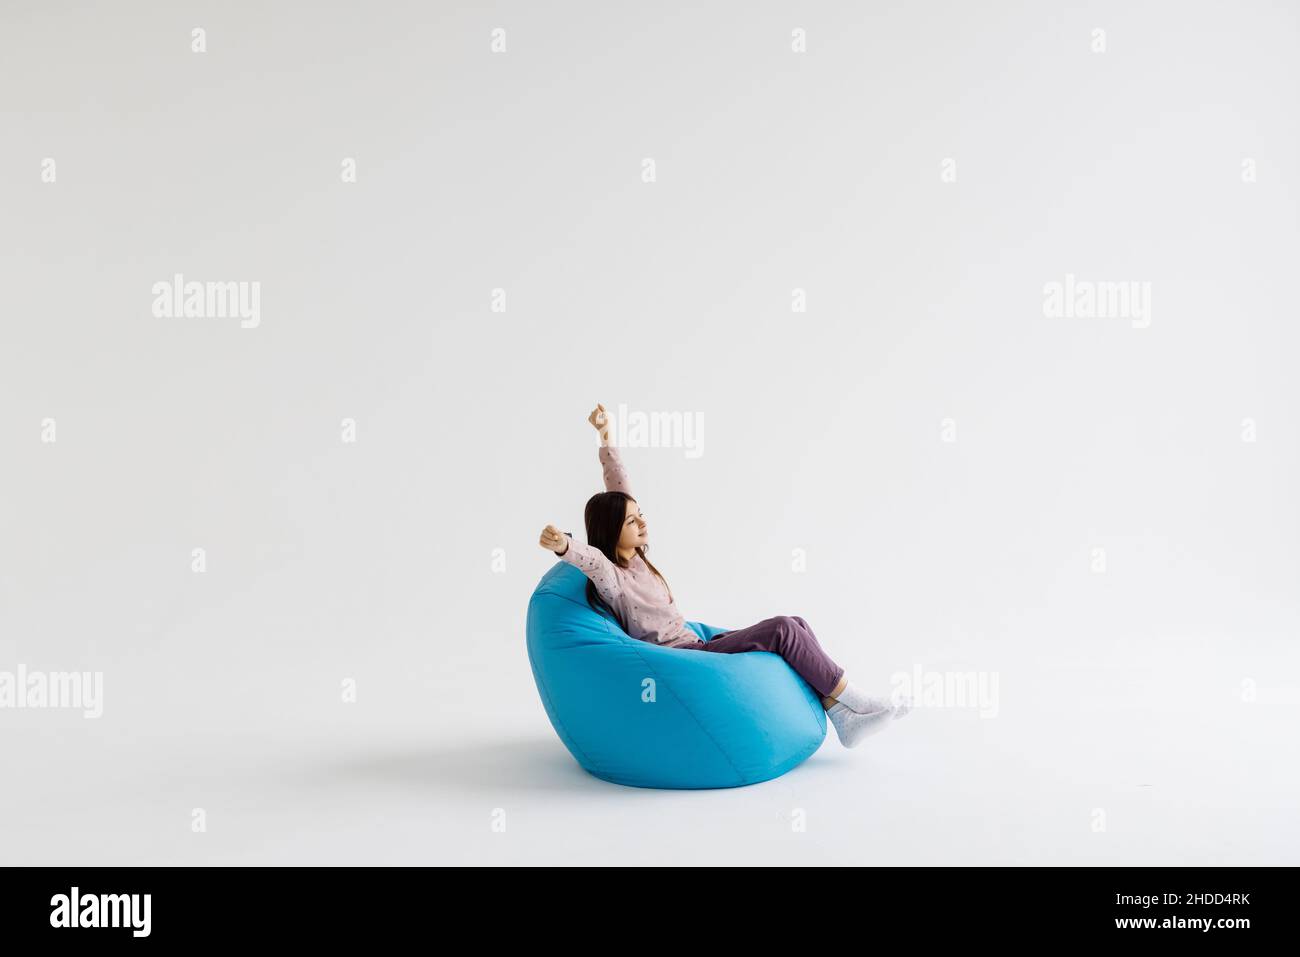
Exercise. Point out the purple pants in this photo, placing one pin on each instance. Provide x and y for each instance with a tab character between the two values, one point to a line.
789	637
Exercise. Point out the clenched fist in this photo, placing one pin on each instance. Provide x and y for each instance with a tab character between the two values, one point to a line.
600	421
554	540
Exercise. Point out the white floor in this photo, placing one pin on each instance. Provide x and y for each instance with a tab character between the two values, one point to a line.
1092	766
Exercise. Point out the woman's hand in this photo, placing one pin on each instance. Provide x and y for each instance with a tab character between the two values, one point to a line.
600	422
554	540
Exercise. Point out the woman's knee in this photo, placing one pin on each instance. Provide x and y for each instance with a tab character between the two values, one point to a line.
800	632
789	628
794	623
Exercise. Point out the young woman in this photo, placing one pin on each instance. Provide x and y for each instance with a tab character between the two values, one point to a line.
622	580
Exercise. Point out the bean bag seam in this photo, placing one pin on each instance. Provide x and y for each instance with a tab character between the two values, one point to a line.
803	757
811	709
631	642
698	723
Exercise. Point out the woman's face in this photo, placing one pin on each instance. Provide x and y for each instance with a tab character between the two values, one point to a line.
634	528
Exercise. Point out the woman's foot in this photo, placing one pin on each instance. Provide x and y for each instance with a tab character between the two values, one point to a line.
852	726
858	700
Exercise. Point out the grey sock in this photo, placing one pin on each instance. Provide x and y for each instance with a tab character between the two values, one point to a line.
857	700
852	727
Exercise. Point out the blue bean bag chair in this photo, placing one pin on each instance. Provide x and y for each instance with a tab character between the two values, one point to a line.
636	713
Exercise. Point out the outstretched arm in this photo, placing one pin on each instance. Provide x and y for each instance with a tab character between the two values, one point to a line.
589	560
611	462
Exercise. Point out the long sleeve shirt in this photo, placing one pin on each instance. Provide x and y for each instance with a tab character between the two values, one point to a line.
636	593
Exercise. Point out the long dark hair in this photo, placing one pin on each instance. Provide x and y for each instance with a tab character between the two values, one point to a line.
604	516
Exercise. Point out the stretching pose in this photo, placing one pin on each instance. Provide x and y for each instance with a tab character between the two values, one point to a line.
622	580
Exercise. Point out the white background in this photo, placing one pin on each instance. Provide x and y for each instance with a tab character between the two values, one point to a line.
1123	692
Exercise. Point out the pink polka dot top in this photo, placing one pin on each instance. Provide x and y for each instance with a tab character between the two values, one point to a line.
635	592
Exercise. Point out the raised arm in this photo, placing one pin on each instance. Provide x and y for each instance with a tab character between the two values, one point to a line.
615	474
611	463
